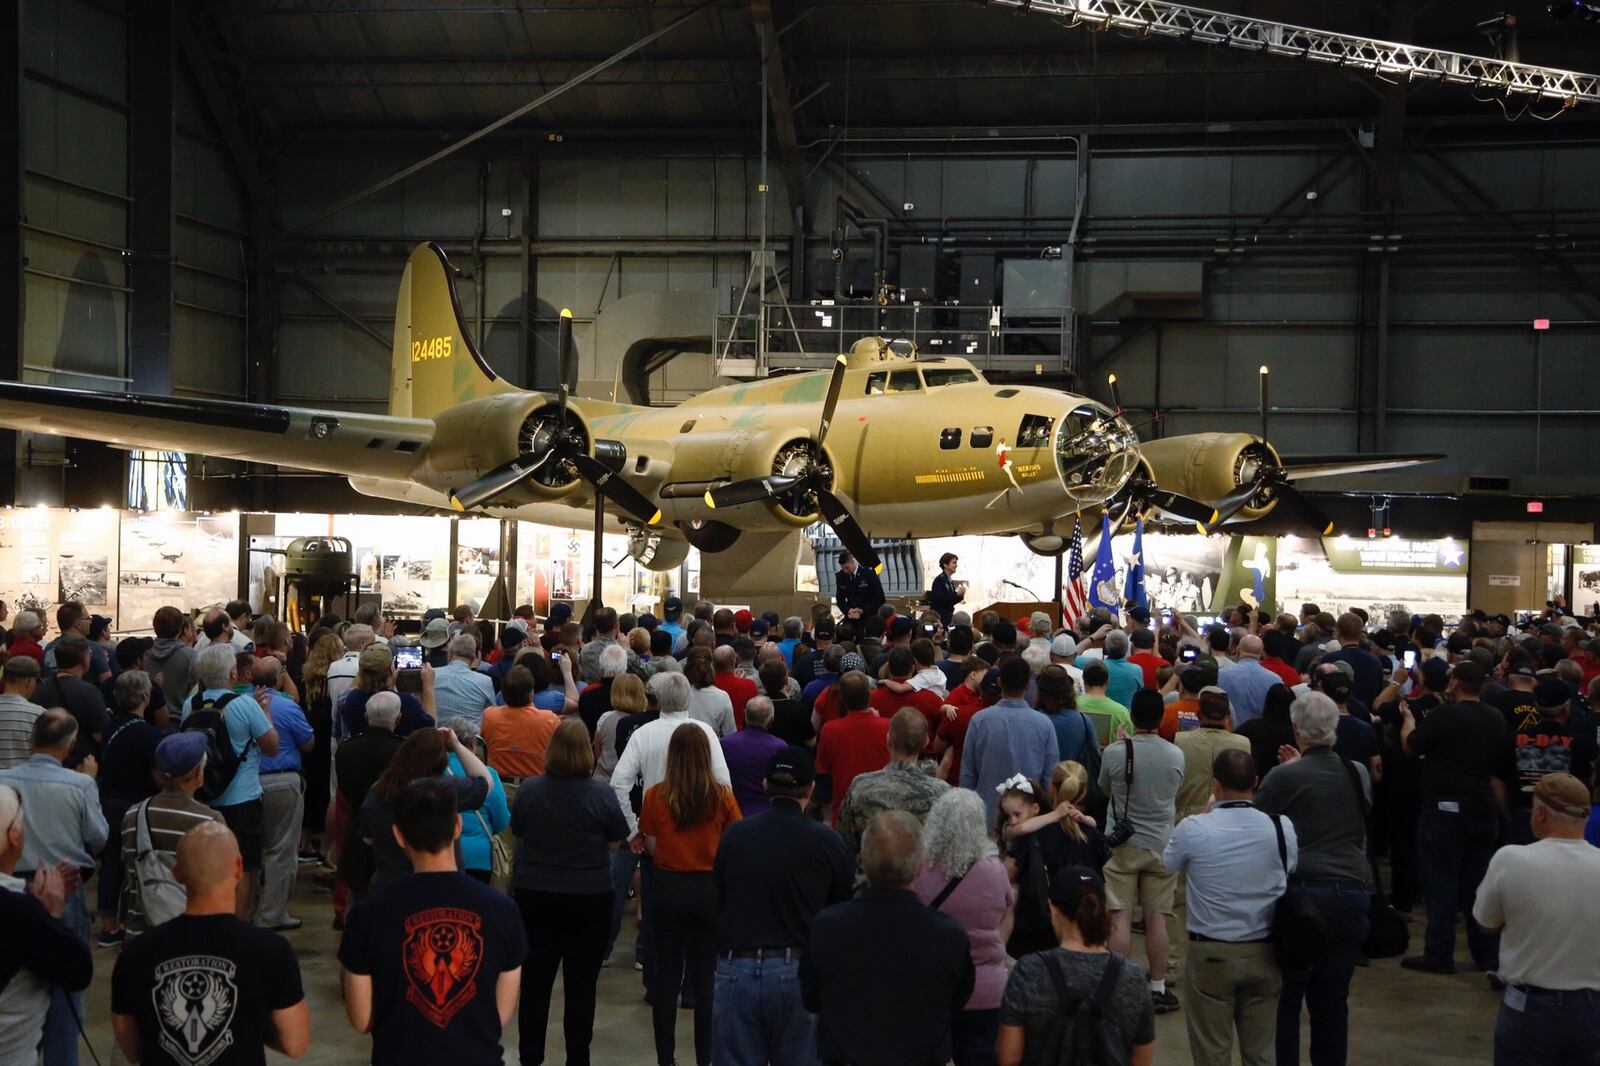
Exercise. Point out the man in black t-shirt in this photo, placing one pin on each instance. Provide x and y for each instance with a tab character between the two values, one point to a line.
1552	744
205	987
432	961
1403	773
1515	700
1462	744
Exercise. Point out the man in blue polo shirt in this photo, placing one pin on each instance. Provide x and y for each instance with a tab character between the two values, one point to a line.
252	735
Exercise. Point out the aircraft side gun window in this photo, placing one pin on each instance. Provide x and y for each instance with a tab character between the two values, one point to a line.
948	376
1035	431
876	382
982	436
950	439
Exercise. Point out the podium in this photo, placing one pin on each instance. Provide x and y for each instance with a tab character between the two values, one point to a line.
1018	611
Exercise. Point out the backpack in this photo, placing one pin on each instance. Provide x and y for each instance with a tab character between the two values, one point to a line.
1080	1035
222	762
161	897
1088	755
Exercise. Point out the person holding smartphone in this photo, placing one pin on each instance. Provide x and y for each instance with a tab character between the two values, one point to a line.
944	595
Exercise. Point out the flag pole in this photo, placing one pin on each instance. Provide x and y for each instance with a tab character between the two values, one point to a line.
1061	592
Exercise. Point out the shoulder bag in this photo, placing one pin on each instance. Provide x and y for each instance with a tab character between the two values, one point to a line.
1299	936
944	893
1124	830
1387	936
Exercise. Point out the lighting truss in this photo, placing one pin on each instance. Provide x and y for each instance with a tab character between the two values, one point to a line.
1382	59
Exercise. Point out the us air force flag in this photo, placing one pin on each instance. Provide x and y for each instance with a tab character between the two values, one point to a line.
1133	589
1103	581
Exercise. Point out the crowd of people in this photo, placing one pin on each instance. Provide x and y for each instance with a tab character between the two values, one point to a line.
865	836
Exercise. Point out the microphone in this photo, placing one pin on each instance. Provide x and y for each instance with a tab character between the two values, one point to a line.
1023	588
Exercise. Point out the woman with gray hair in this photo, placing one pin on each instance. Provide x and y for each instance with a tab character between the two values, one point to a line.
963	876
477	854
1327	799
126	776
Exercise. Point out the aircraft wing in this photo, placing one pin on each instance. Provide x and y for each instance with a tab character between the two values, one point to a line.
337	442
1302	467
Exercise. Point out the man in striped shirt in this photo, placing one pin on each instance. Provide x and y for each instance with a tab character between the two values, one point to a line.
17	711
172	812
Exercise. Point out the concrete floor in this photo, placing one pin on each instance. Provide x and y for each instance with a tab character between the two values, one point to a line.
1395	1015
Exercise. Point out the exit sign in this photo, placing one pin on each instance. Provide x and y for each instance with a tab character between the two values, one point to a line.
1536	507
1541	323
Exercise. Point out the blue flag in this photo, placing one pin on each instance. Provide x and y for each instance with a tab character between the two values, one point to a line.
1103	581
1133	588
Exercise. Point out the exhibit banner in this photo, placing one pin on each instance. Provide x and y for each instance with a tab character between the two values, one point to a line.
49	555
183	559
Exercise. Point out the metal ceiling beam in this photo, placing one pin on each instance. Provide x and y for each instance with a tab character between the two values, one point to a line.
220	107
500	123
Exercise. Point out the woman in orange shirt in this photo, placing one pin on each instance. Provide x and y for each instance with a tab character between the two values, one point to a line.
518	733
682	821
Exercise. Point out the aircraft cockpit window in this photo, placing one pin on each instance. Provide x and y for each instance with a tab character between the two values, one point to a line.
1035	431
948	376
950	439
875	383
982	436
905	381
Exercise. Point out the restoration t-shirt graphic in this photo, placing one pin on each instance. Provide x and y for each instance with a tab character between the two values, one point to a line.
202	989
435	946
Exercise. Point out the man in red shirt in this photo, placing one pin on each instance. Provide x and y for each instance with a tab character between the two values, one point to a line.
739	689
1272	644
27	635
1144	655
966	700
856	744
896	692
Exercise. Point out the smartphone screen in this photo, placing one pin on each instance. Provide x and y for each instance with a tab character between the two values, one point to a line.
1189	654
1410	658
555	656
408	657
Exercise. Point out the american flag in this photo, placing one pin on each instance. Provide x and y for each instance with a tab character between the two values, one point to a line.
1074	600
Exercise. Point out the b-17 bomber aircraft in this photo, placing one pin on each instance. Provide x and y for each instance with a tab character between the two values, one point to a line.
883	444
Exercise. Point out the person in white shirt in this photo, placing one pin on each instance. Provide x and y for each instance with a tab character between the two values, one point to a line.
342	671
644	760
1236	874
1541	898
928	678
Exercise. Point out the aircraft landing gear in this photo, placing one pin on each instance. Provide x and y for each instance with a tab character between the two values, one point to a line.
1046	544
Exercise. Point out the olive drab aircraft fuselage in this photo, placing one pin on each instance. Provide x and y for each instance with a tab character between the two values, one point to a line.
882	445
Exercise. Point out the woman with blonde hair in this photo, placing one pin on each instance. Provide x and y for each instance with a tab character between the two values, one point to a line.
964	877
565	822
627	697
681	822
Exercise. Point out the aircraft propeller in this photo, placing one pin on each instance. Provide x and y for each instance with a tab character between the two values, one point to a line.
1271	481
811	480
562	446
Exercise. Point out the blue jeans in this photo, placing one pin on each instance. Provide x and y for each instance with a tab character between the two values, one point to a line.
59	1043
1325	988
1552	1029
757	1016
623	863
1453	851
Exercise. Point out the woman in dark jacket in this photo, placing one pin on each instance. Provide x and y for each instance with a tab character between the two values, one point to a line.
566	823
944	595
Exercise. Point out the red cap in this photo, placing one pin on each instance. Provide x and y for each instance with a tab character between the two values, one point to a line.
742	620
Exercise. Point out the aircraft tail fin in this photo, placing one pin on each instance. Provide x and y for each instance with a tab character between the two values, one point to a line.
436	364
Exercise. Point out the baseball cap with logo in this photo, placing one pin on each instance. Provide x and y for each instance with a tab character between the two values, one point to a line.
1063	645
791	767
375	657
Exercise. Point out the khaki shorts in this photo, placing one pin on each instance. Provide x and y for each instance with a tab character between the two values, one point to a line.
1135	876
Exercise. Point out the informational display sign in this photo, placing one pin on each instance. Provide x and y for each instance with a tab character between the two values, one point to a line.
1392	555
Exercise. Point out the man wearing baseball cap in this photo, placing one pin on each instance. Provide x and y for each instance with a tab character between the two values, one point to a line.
774	872
1549	745
1540	898
165	817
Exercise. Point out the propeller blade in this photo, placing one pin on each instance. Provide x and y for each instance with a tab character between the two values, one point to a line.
1182	506
848	531
1302	510
563	362
751	490
1232	504
498	480
611	485
835	386
1264	406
